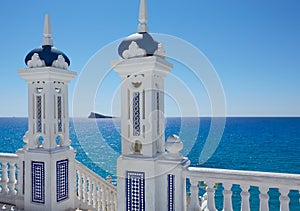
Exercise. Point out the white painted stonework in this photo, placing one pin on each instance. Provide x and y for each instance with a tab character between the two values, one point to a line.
144	76
134	51
60	63
151	172
47	158
148	175
35	61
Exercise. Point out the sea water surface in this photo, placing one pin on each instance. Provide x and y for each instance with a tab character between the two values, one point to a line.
270	144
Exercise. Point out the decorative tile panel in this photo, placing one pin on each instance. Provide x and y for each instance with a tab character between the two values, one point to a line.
39	114
135	191
136	114
38	182
62	185
59	114
171	185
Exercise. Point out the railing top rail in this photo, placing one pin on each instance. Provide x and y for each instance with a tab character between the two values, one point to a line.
242	177
83	168
11	156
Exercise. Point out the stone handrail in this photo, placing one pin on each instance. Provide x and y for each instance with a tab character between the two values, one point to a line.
8	182
209	178
93	192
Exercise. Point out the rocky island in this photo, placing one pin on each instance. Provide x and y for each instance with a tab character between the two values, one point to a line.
99	116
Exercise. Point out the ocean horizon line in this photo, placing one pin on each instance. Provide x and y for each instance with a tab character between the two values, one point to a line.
205	116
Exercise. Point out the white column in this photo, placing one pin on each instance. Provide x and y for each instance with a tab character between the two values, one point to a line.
245	197
264	198
227	196
79	190
210	196
84	189
89	180
103	197
94	195
4	178
12	179
194	203
98	207
284	199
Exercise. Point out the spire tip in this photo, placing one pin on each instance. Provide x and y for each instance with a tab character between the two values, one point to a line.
143	17
47	40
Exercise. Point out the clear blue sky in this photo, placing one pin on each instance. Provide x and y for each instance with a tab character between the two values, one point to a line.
254	46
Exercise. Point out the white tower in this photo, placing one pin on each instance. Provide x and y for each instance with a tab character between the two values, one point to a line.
144	179
48	158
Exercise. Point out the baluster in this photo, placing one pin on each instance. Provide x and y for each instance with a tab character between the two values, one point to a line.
4	178
103	197
264	198
194	201
115	201
113	208
19	183
99	198
12	179
227	196
112	199
94	195
108	198
284	199
79	191
84	191
245	197
210	196
89	180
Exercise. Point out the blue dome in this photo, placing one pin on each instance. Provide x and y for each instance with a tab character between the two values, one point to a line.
48	54
144	41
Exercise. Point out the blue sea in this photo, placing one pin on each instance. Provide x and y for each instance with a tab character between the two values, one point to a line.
270	144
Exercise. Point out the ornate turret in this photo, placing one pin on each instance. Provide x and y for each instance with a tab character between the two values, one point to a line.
48	157
145	169
48	79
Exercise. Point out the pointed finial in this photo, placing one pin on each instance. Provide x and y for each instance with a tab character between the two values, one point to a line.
143	17
47	40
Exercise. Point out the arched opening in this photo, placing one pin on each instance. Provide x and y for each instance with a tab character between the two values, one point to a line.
40	141
59	140
39	90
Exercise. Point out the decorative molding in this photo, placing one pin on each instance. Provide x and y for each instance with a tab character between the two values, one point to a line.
135	191
137	80
160	51
38	182
35	61
60	63
136	84
133	51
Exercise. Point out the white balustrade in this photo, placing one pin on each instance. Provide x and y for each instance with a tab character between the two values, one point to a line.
245	179
8	181
93	192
